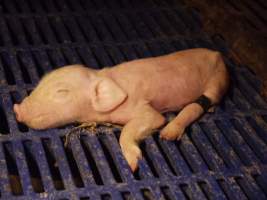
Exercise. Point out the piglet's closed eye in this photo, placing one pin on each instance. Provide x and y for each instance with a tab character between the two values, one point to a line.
62	95
62	91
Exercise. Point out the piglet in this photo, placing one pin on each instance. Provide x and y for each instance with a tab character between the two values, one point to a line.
134	94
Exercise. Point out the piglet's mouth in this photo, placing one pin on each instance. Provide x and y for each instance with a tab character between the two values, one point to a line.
36	122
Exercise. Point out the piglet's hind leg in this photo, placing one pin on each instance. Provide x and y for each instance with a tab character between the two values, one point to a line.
138	128
215	89
175	129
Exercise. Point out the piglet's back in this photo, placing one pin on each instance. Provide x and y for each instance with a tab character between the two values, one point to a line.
167	82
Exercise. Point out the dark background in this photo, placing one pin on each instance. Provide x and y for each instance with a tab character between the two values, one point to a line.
243	24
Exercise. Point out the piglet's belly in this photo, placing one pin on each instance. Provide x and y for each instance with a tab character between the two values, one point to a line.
172	96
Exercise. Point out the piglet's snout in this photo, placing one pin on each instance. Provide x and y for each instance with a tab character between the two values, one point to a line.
18	113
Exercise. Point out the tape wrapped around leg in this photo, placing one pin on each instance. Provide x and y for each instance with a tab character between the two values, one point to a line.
204	102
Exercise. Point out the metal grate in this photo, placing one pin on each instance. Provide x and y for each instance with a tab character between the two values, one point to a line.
223	156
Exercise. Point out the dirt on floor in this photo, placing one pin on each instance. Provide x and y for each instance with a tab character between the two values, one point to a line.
249	43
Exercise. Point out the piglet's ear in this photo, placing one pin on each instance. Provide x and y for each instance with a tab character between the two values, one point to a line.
106	95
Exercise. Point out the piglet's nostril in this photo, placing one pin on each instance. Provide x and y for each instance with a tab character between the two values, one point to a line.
17	112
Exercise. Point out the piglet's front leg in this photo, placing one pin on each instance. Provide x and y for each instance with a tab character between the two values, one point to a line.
138	128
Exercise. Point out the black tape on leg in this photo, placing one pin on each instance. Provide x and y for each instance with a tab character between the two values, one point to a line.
204	102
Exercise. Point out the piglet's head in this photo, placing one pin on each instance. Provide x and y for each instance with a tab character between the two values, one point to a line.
69	94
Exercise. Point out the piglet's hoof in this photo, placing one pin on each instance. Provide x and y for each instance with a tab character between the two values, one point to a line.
132	154
171	132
